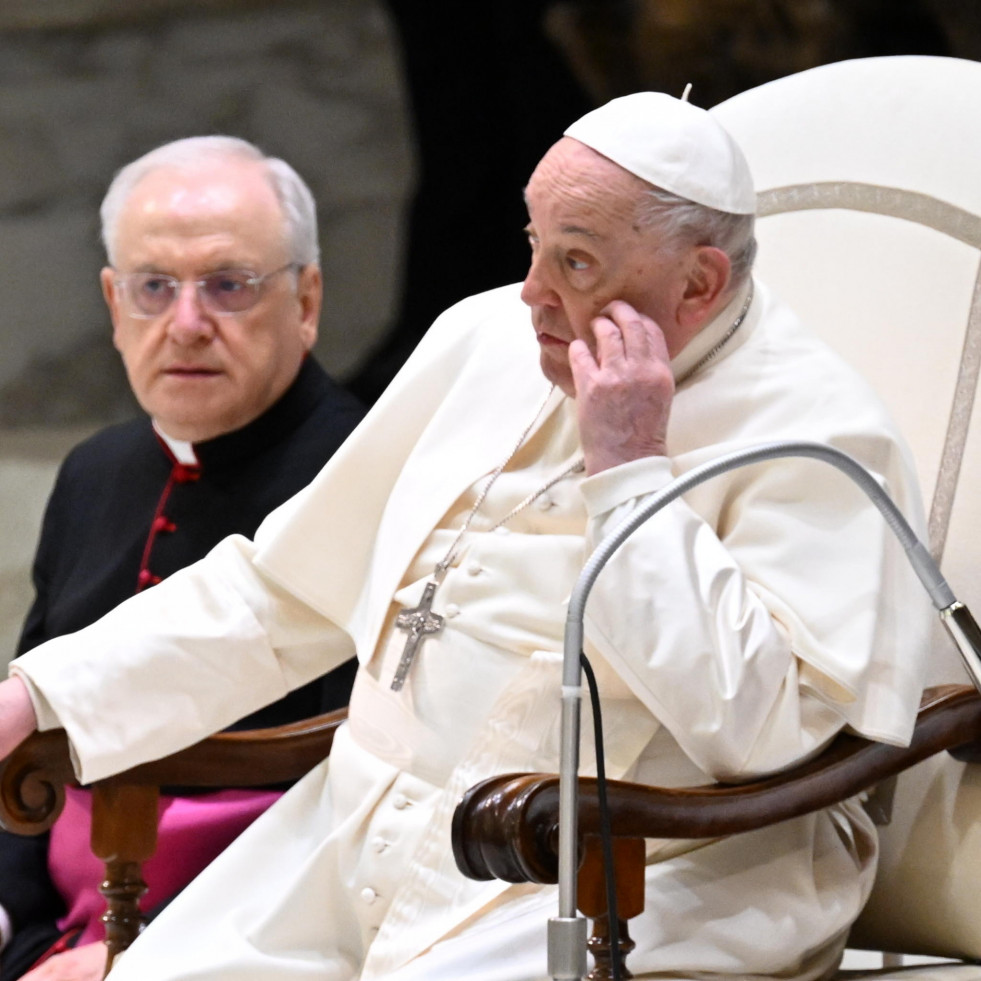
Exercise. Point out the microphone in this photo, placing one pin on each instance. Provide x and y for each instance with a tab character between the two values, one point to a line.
567	931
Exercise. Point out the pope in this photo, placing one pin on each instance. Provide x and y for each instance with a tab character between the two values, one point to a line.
732	636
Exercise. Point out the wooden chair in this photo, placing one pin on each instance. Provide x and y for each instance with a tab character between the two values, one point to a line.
124	807
838	199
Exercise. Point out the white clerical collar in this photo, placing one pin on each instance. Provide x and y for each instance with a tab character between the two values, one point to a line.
182	450
720	335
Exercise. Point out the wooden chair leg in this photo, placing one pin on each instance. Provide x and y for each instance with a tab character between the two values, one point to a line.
122	889
628	864
600	946
124	836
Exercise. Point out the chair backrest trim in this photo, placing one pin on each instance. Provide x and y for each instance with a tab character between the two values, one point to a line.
957	427
874	198
942	217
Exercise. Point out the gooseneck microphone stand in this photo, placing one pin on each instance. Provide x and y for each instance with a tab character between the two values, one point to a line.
567	931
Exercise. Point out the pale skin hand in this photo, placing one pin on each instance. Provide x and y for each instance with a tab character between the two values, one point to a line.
17	718
85	963
624	393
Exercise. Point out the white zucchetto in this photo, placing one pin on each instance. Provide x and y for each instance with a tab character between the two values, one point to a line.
673	145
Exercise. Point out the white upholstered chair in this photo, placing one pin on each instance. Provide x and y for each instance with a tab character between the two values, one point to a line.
869	182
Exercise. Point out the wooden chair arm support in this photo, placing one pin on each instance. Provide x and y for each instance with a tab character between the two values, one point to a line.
33	777
32	783
124	806
507	827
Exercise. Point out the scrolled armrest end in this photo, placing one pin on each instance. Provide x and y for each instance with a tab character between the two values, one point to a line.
32	783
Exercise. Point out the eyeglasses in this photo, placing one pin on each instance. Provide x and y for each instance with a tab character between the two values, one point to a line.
224	293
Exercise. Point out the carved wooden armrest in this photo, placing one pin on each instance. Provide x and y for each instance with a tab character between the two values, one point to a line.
33	777
124	806
507	827
245	758
32	783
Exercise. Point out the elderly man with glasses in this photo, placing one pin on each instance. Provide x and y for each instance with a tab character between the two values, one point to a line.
214	290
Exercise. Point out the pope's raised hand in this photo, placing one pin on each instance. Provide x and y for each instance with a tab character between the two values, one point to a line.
624	390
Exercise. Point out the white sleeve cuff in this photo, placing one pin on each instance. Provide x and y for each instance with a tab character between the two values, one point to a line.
608	489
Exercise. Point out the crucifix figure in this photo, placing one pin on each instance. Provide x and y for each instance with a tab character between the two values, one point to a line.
417	622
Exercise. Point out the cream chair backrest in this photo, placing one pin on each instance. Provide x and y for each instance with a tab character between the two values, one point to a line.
869	181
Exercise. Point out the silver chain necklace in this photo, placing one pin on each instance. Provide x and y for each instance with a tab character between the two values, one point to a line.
419	621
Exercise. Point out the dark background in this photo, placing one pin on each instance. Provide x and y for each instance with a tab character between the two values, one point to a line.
492	85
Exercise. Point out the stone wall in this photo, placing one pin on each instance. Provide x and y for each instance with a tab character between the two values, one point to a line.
86	86
51	14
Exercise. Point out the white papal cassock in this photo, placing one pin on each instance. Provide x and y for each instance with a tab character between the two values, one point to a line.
733	635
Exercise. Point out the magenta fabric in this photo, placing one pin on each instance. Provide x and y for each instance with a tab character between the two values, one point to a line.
192	832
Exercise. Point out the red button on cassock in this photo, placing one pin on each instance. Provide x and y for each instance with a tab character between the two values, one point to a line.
184	474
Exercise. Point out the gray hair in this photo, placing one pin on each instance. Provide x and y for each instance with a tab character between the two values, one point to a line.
685	223
299	208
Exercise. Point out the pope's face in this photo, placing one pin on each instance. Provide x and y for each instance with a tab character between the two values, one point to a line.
199	374
587	250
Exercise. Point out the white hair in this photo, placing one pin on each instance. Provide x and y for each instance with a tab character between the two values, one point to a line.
299	208
684	223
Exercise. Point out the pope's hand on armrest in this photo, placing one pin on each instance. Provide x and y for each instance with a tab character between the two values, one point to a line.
17	718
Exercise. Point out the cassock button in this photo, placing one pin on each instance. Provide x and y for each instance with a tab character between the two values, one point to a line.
544	502
502	530
474	568
368	895
162	523
452	610
184	474
379	844
400	802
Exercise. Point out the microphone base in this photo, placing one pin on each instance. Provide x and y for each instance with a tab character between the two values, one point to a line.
567	948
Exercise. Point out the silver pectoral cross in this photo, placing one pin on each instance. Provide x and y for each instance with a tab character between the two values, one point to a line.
417	622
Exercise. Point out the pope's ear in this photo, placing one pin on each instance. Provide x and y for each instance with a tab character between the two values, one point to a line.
708	277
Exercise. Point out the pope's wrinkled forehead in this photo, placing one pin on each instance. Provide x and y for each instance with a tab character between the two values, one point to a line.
673	145
572	175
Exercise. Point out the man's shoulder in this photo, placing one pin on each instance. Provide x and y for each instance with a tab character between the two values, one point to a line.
331	397
802	349
783	381
113	444
316	416
804	383
474	331
284	449
500	301
498	315
104	466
